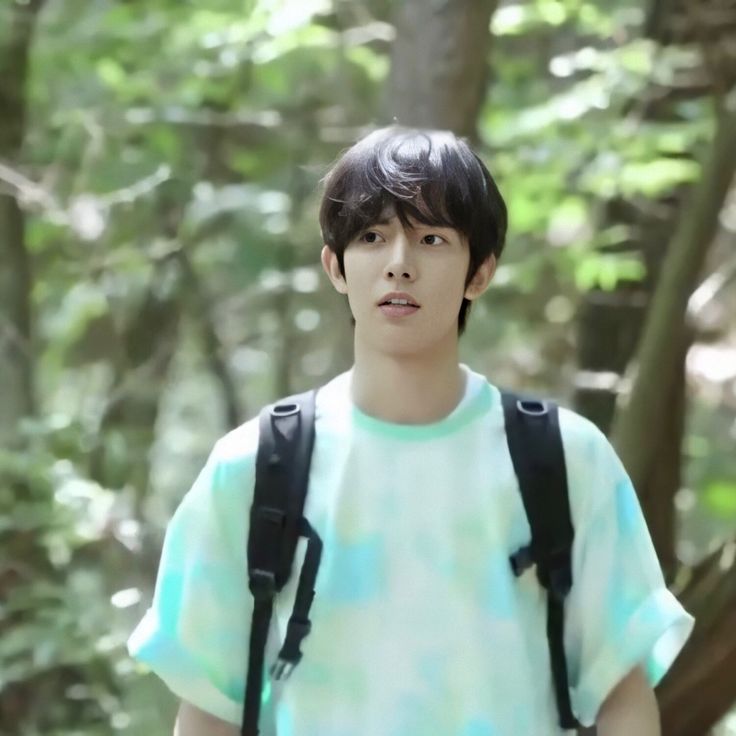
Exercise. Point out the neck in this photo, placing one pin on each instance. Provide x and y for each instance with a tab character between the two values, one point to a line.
407	389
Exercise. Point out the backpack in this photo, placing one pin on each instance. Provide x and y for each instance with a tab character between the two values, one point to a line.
276	522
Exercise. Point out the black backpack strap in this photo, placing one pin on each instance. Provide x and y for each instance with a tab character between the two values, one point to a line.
299	624
286	439
535	444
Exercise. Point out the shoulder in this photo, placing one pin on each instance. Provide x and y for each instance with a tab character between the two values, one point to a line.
234	454
580	436
208	521
239	445
229	472
593	467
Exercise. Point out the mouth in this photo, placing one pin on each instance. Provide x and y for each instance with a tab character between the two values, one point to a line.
398	310
397	304
398	298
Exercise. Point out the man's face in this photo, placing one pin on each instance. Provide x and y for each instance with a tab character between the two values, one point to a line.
426	262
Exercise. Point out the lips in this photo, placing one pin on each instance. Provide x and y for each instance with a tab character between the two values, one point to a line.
386	298
394	311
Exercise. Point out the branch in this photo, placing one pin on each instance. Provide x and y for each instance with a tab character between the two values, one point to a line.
87	213
28	193
138	189
171	115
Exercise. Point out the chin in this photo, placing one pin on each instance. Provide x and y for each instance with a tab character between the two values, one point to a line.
407	348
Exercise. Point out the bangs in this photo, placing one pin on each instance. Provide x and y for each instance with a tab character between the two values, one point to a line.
415	175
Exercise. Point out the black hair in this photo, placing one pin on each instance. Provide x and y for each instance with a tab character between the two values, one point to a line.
430	176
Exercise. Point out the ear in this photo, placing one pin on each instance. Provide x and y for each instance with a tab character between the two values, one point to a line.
482	278
332	269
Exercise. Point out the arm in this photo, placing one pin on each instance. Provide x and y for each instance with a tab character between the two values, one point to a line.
191	721
630	709
195	634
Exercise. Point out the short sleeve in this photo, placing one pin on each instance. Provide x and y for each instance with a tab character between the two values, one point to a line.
195	634
620	613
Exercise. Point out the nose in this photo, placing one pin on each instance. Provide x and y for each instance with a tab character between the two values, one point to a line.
400	262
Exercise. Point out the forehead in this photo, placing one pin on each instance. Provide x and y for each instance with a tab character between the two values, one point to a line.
416	211
390	216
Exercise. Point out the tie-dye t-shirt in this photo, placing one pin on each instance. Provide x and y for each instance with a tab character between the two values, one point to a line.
420	627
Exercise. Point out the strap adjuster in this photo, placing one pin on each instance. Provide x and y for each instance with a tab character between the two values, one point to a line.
532	407
522	560
297	629
555	572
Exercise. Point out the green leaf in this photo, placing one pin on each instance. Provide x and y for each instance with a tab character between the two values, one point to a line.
111	73
569	220
606	270
720	497
653	178
375	65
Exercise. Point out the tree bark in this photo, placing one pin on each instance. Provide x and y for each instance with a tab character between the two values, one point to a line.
665	327
24	559
16	357
439	63
700	689
657	494
649	434
608	329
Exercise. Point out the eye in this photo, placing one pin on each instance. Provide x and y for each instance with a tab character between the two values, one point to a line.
436	239
370	236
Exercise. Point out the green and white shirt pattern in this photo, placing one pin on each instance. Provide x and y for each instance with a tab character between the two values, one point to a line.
420	627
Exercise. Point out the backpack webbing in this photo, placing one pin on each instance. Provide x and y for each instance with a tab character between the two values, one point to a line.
535	444
282	472
286	439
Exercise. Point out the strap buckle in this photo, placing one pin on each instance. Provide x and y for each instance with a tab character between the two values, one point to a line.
290	654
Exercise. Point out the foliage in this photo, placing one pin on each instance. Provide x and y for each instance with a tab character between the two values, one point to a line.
170	177
55	632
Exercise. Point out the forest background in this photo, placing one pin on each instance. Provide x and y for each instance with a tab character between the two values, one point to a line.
159	281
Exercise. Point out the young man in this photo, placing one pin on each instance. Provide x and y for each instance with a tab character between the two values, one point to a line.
419	626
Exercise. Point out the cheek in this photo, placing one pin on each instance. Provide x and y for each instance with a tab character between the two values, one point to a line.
451	282
359	281
360	272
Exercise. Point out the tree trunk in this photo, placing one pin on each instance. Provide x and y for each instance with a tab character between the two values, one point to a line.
608	328
24	558
693	699
657	494
610	323
665	329
16	355
699	690
439	63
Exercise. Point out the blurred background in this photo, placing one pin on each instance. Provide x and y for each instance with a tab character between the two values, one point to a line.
160	281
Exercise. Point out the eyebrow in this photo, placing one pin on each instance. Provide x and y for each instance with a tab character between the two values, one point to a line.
384	220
